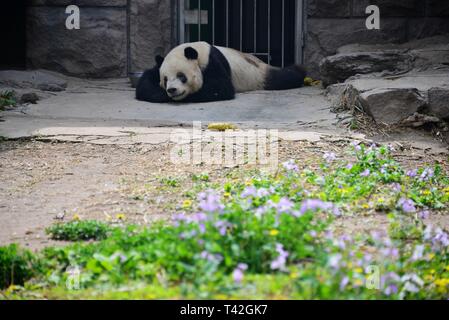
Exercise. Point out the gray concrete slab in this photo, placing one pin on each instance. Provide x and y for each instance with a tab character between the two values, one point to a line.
110	103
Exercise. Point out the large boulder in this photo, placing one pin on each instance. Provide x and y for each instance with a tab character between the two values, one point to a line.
439	102
340	67
410	100
392	106
32	80
356	59
325	36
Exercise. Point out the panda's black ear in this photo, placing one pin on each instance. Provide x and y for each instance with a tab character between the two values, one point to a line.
159	60
191	53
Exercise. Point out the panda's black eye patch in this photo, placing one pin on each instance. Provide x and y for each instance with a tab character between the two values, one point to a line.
181	76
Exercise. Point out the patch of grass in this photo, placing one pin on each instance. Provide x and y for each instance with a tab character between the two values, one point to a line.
16	266
79	230
7	99
204	177
170	182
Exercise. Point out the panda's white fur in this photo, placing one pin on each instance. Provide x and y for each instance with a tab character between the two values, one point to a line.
248	72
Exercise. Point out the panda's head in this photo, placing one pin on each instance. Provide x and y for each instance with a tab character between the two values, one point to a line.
181	73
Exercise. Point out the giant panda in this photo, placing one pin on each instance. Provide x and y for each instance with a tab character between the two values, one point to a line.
200	72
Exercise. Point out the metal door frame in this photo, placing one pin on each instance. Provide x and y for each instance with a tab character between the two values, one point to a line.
300	23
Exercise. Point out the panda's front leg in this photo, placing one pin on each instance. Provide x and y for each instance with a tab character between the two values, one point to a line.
148	88
214	89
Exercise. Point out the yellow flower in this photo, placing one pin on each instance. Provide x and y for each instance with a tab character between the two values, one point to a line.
358	270
227	195
187	203
431	256
365	206
248	183
274	233
428	277
358	282
294	275
120	216
426	192
442	285
381	200
447	268
76	217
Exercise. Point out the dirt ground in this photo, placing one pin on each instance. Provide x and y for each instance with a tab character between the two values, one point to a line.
45	182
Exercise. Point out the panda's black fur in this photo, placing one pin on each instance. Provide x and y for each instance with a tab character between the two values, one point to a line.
217	80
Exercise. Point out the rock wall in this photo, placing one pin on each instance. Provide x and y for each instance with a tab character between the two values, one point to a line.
334	23
100	47
151	24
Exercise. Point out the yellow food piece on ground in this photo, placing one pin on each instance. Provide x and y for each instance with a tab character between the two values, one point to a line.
221	126
310	82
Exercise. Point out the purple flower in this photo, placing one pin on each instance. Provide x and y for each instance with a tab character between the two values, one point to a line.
199	217
290	166
210	202
412	173
407	205
391	289
178	218
250	191
329	157
238	273
396	187
356	145
349	166
440	239
262	192
343	283
418	253
280	261
261	211
223	227
216	258
366	173
390	283
334	261
297	214
316	204
427	174
390	252
284	205
424	214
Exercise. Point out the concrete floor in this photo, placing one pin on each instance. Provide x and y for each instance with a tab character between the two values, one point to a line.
103	104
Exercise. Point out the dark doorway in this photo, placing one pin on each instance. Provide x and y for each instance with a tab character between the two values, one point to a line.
13	34
269	29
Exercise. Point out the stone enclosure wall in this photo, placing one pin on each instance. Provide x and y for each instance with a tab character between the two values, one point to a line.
100	48
335	23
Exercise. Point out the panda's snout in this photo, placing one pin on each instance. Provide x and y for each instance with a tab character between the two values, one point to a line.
172	90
